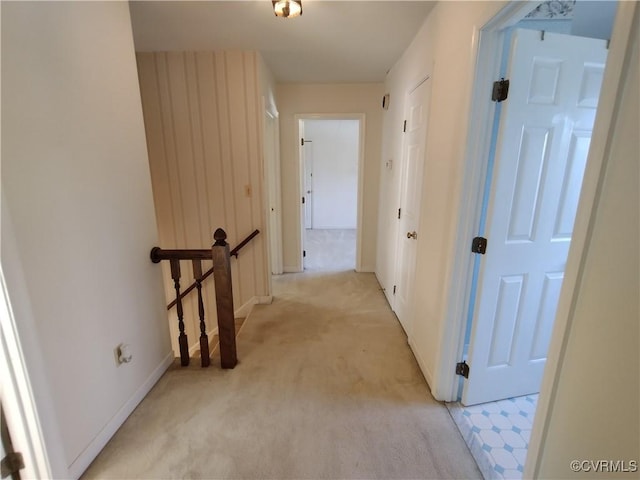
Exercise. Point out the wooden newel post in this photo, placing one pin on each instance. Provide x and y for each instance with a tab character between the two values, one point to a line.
224	300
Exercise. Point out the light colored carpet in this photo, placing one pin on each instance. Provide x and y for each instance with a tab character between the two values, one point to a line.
326	387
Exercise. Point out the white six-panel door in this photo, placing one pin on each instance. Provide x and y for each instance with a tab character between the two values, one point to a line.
545	130
411	188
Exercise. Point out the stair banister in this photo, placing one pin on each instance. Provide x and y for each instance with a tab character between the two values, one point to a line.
221	270
156	254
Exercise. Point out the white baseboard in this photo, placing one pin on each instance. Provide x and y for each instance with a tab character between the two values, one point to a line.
264	300
245	309
334	227
367	269
423	366
80	464
291	269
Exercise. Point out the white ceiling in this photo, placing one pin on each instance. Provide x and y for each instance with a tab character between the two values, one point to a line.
332	42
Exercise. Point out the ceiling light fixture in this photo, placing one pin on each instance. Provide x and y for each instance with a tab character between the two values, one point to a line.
287	8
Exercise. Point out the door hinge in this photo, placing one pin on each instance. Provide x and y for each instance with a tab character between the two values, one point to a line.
303	200
304	253
399	212
11	464
394	289
500	90
479	245
404	127
462	368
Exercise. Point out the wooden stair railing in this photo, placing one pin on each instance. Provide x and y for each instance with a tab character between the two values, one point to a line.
207	274
221	271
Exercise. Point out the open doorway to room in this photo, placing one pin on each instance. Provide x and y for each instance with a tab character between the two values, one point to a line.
536	150
330	151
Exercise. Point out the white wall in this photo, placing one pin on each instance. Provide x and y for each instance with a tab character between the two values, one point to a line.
76	186
328	98
334	163
445	49
595	390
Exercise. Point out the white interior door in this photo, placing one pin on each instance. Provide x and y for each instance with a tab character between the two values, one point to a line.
545	130
308	183
274	214
412	167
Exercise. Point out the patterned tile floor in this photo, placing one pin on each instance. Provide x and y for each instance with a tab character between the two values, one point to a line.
497	434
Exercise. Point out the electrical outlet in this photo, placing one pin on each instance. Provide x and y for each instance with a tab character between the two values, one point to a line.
123	354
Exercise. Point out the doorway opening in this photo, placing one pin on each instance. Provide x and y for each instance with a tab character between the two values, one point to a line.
535	150
330	160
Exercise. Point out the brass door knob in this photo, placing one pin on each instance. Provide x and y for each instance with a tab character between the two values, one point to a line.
413	235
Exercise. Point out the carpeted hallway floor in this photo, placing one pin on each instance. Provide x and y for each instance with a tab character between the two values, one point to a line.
326	387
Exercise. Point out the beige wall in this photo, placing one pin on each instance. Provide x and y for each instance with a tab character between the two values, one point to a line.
594	413
78	221
203	117
327	99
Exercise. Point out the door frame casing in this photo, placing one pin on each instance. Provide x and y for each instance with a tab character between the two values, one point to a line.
299	118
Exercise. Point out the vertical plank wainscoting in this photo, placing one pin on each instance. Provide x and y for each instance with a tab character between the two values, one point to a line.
202	113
